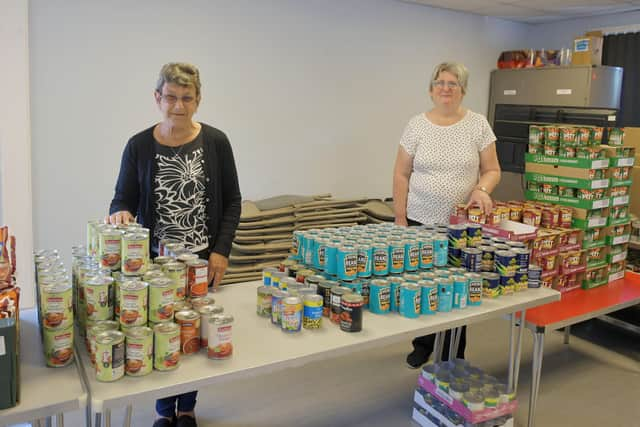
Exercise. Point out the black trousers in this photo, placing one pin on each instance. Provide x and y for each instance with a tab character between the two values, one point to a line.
427	342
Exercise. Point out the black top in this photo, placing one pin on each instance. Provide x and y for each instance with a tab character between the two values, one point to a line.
134	189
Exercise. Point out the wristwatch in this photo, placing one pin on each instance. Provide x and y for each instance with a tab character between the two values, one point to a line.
482	188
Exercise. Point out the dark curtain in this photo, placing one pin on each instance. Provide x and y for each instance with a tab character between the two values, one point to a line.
623	50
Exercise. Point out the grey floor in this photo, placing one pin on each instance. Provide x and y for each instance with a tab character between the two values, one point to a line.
594	381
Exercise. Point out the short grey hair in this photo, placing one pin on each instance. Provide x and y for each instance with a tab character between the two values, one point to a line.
180	73
455	68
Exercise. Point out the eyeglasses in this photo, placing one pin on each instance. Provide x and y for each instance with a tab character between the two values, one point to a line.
172	99
450	85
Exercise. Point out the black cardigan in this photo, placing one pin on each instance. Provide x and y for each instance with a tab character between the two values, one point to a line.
134	189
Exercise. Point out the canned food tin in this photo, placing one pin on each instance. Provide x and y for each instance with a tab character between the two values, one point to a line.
380	259
163	259
182	306
276	306
475	289
534	276
135	252
166	344
276	278
522	259
138	351
161	299
365	260
491	285
410	300
263	304
488	258
99	298
206	312
291	314
426	252
522	281
312	311
445	294
109	248
303	273
152	274
289	284
318	259
440	250
56	305
186	256
312	281
460	291
324	290
177	272
197	303
133	303
296	245
472	258
396	256
351	313
337	292
58	346
474	400
95	330
267	273
109	356
412	255
379	296
347	258
331	258
508	284
197	275
366	292
428	297
457	236
455	256
412	278
189	322
505	263
220	337
165	248
474	235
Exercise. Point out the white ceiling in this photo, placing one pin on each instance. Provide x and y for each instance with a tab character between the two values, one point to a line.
535	11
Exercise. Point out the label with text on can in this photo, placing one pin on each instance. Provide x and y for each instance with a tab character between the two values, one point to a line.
189	321
166	345
109	356
58	346
197	274
220	336
351	312
138	351
206	313
312	311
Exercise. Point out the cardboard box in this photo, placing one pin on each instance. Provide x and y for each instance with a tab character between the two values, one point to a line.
564	176
587	49
634	203
632	139
572	162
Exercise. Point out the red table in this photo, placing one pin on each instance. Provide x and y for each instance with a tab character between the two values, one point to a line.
574	307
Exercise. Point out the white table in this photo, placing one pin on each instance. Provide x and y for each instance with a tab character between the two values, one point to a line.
44	391
260	347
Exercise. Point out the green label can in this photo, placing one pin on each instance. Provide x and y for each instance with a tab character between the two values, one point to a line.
138	351
177	272
109	356
133	303
58	346
93	331
161	299
56	305
109	248
135	252
99	298
166	344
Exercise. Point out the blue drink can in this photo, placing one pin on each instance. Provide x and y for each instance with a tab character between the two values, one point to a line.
347	259
491	285
445	294
331	258
460	291
426	252
535	276
475	289
410	300
380	296
457	235
522	259
440	250
380	258
429	297
411	255
365	260
395	283
396	252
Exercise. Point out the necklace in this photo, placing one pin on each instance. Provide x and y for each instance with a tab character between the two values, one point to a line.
178	151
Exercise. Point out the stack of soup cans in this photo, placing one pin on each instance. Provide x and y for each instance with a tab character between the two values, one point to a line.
409	270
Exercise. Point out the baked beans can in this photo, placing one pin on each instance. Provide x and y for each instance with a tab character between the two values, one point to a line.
475	289
426	252
263	304
472	259
197	274
440	250
177	272
428	297
396	257
445	294
206	312
337	292
109	356
276	306
410	300
380	258
347	258
351	313
189	322
135	252
412	255
161	299
166	345
109	248
133	303
58	346
291	314
99	298
220	337
296	245
331	258
138	351
412	278
395	283
56	305
536	134
379	296
460	291
312	311
95	330
365	260
319	255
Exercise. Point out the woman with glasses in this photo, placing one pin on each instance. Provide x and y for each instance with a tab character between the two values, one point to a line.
178	177
446	156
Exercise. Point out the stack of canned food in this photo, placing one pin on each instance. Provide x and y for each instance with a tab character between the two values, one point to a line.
467	387
566	141
387	268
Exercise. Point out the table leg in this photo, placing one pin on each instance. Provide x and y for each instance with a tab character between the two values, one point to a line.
567	333
437	347
127	416
452	343
98	419
60	420
48	422
516	375
512	326
536	372
457	344
107	418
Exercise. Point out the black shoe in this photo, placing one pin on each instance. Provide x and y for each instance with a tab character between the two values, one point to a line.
165	422
186	421
417	358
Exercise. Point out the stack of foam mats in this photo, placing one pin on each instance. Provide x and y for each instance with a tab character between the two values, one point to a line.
378	211
265	232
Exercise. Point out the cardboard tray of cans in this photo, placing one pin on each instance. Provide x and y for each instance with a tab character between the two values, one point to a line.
596	277
583	183
572	162
511	230
429	415
567	201
617	270
473	417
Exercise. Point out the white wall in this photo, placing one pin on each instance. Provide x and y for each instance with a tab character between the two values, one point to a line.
15	143
313	94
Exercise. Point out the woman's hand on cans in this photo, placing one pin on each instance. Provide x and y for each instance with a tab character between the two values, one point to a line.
482	200
217	266
120	217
